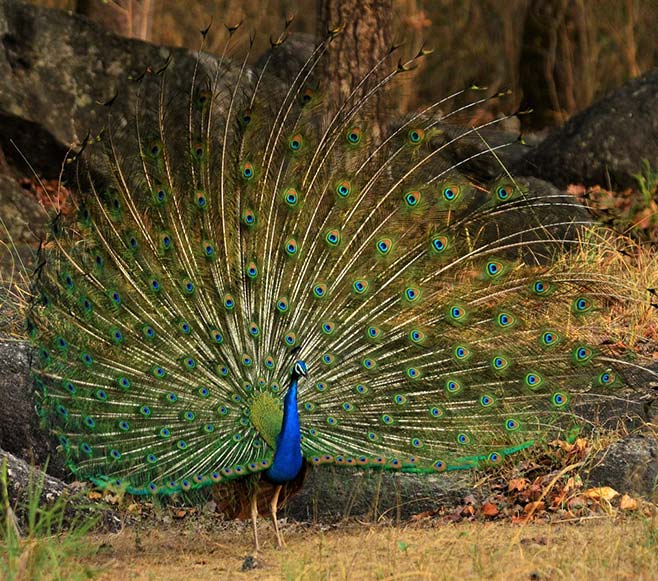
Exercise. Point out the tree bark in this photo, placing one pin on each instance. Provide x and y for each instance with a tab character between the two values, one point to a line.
365	38
556	63
130	18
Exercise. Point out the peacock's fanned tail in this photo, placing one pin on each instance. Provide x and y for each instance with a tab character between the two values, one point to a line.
240	222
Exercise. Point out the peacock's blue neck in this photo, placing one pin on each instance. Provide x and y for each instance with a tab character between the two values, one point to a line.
288	455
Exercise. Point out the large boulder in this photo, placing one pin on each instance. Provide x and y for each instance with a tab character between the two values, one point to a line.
606	144
56	69
25	220
629	465
20	432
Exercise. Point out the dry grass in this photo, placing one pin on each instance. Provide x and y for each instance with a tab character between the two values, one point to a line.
592	549
626	270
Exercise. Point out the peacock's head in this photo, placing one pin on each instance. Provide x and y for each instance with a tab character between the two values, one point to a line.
299	369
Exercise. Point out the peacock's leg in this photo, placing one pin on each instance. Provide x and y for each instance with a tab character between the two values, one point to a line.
273	504
254	517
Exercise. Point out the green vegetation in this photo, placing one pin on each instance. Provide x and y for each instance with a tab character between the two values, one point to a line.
55	535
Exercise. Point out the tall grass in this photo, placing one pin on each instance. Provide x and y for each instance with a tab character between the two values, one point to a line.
53	539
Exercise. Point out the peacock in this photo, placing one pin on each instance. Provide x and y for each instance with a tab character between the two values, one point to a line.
253	285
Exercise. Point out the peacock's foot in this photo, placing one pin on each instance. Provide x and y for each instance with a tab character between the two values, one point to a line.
280	543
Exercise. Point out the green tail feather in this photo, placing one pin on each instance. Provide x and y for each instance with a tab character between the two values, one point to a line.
246	224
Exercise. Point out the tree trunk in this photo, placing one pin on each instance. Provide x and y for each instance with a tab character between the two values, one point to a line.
130	18
557	62
365	38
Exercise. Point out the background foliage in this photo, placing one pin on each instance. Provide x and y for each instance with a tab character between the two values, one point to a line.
603	42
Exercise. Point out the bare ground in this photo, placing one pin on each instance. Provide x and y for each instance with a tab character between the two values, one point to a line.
590	548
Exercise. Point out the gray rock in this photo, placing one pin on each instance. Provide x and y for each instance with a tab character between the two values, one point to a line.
558	213
606	143
470	150
25	221
629	465
56	69
20	430
286	60
24	481
21	213
332	493
21	477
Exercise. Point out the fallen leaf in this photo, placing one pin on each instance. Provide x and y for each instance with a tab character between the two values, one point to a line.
489	509
576	189
533	507
577	502
559	498
601	493
423	515
468	510
573	483
517	484
627	503
580	444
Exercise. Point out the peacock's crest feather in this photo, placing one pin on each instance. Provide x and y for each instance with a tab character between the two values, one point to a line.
239	225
